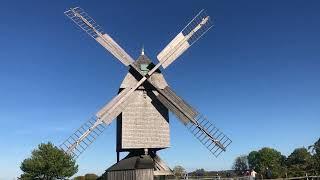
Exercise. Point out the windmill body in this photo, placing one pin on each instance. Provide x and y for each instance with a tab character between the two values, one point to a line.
144	123
142	128
142	105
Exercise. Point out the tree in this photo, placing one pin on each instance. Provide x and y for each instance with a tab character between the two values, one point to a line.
253	159
200	172
90	177
315	149
267	161
298	162
179	171
240	164
48	162
79	178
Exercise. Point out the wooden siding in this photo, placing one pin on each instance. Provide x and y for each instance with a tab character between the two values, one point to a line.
138	174
144	123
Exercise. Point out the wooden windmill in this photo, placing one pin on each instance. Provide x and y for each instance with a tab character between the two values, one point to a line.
142	105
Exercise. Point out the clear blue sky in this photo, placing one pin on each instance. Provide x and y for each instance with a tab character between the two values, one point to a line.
255	75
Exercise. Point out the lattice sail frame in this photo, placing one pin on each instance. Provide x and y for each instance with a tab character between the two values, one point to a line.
86	23
209	135
194	30
89	131
206	24
95	27
80	146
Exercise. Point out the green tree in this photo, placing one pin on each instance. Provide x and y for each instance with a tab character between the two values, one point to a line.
179	171
253	159
79	178
200	172
240	164
315	149
48	162
267	159
90	176
298	162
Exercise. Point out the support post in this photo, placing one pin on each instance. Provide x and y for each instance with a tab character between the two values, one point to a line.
118	156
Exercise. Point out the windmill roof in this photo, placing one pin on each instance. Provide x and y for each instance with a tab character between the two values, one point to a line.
142	59
135	162
157	77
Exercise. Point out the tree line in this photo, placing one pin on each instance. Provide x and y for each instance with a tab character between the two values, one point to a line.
49	162
270	163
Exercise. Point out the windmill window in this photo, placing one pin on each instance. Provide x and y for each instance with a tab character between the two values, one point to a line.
144	94
144	68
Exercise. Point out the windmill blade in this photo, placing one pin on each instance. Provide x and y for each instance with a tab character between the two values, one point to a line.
83	137
80	140
111	110
209	135
198	26
85	22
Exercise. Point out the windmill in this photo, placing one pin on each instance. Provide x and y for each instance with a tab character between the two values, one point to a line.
142	105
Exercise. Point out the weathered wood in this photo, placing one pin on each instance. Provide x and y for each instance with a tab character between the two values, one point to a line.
144	123
177	105
85	22
138	166
137	174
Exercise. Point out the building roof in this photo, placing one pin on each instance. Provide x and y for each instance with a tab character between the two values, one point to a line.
142	59
157	77
133	162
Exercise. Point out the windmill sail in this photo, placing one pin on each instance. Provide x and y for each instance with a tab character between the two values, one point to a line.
80	140
85	22
198	26
210	136
83	137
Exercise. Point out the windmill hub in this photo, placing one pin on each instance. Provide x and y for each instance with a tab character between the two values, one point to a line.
142	106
